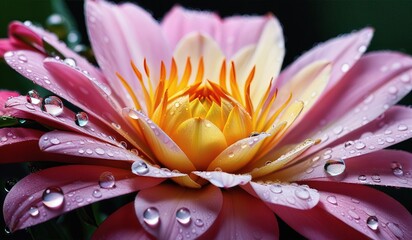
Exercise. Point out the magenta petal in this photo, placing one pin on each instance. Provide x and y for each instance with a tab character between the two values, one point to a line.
12	139
291	195
19	107
4	95
342	51
316	223
356	205
224	180
169	211
122	224
79	184
243	217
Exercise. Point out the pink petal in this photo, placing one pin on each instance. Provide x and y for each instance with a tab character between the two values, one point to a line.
36	37
356	100
4	95
316	223
224	180
122	224
243	217
355	204
290	195
12	139
7	45
179	22
68	82
342	51
238	32
116	43
79	184
165	200
19	107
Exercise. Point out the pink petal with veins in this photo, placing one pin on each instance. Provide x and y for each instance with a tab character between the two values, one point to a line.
122	224
79	185
243	217
291	195
172	208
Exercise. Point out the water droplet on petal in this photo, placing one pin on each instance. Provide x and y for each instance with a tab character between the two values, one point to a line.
70	61
394	228
392	90
53	105
376	178
199	222
55	141
372	222
397	169
389	140
360	145
22	58
97	193
53	197
345	67
34	211
151	216
348	144
33	97
302	193
334	167
276	188
332	200
81	119
231	155
337	130
183	215
99	151
362	178
353	214
140	168
402	127
107	180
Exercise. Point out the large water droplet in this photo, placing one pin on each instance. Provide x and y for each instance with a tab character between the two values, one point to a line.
71	62
276	188
53	105
183	215
53	197
360	145
34	211
33	97
81	119
394	228
334	167
332	200
55	141
372	222
302	193
402	127
397	169
140	168
151	216
107	180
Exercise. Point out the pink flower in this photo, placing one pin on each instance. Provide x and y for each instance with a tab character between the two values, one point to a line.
194	115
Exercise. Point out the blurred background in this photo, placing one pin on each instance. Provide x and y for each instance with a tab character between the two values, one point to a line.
305	23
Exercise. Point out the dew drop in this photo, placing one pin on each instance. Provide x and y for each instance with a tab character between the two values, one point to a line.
376	178
362	49
397	169
33	97
405	78
392	90
302	193
362	178
53	197
151	216
183	215
332	200
107	180
34	211
389	140
360	145
394	228
231	155
55	141
353	214
345	67
22	58
276	188
402	127
334	167
177	104
97	193
71	62
140	168
53	105
81	119
117	126
99	151
338	130
372	222
348	144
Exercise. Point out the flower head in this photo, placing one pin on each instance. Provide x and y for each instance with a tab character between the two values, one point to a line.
180	110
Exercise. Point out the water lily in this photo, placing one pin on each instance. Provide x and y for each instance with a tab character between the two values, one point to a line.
195	116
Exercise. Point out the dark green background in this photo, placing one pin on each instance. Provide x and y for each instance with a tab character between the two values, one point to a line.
305	23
